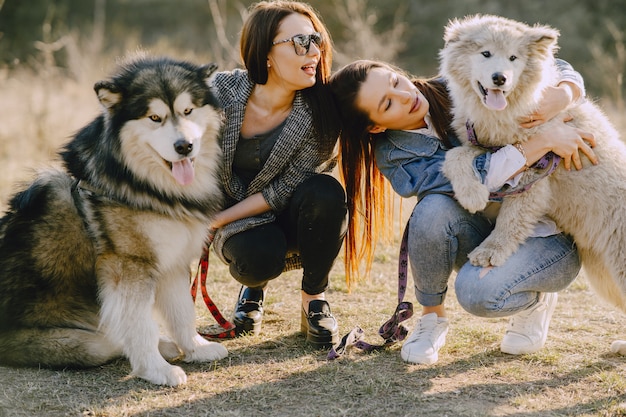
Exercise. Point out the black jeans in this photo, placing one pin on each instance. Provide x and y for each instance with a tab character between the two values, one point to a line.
313	224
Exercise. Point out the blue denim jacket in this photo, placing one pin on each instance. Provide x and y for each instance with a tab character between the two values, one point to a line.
412	162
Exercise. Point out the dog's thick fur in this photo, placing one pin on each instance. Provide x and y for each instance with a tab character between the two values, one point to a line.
483	54
89	253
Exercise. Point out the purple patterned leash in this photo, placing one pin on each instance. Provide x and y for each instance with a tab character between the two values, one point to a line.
392	331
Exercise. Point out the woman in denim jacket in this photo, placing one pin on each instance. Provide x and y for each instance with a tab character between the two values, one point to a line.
398	128
282	210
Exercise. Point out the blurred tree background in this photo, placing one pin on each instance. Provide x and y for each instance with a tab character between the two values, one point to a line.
67	34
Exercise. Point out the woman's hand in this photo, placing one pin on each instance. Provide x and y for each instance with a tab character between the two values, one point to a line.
554	101
568	141
217	221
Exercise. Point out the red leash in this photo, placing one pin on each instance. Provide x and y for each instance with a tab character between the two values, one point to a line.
203	268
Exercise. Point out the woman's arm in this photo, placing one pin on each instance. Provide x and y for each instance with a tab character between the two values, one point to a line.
569	90
250	206
562	139
498	168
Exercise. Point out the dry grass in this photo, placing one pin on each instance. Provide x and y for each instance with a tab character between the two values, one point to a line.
276	374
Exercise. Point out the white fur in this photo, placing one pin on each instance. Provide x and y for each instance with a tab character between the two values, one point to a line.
589	204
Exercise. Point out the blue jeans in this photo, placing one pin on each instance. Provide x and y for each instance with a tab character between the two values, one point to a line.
442	234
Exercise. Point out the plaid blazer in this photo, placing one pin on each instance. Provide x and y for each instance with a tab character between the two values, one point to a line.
297	155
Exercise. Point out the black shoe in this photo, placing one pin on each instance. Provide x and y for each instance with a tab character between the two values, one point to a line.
319	325
248	311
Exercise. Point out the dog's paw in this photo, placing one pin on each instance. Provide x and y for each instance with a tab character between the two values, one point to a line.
474	196
489	254
205	351
169	349
480	257
619	346
164	375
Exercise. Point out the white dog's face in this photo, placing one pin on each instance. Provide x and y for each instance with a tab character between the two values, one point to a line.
492	55
174	137
495	72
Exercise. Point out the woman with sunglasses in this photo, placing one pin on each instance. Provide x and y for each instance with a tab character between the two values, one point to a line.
399	127
282	210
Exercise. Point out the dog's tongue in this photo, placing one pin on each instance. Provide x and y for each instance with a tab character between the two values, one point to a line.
183	171
495	100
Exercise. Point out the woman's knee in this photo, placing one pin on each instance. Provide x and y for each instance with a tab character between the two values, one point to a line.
475	298
257	255
257	271
322	191
432	223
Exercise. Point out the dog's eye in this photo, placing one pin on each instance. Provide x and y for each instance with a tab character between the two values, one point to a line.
187	111
512	58
155	118
486	54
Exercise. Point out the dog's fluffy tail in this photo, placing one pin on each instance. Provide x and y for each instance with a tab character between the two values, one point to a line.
56	348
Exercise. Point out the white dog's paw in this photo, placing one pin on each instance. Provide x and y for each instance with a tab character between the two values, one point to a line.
205	351
164	375
468	190
619	346
473	198
168	348
490	253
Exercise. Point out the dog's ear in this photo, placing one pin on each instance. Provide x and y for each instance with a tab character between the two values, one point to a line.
451	31
544	38
208	72
108	94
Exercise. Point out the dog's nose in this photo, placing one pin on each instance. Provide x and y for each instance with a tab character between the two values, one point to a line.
498	78
183	147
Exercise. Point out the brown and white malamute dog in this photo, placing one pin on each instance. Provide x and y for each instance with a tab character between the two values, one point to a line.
90	253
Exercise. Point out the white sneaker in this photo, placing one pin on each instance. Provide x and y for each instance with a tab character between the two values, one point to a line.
528	330
428	336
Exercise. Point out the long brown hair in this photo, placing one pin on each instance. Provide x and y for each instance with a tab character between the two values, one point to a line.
368	194
257	34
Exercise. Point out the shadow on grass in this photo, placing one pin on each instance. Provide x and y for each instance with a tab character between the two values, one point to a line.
285	377
380	384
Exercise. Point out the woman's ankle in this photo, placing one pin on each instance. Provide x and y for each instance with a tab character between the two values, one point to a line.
306	298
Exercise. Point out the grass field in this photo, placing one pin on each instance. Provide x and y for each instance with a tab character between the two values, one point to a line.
276	373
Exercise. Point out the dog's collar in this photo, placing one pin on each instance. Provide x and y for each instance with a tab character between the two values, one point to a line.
87	190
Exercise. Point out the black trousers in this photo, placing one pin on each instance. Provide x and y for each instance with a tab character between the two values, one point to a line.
313	224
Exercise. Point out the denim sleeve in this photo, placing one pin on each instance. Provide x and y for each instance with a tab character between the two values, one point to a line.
412	163
481	166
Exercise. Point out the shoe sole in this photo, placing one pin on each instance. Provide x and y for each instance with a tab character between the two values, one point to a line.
320	342
246	328
317	341
420	360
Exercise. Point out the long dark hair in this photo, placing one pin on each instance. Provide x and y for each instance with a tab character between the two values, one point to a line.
257	34
368	193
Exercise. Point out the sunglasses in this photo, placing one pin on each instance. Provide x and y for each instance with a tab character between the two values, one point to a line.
302	43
